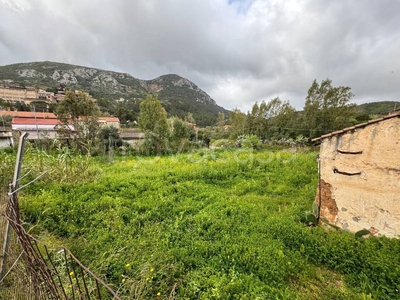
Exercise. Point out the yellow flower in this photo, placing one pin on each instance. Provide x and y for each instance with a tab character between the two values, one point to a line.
71	273
147	279
127	265
158	294
123	280
152	270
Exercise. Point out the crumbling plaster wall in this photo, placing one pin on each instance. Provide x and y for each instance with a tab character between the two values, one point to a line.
371	199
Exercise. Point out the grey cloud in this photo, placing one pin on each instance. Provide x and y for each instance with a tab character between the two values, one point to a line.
238	51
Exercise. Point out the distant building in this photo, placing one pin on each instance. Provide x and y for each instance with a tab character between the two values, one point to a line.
46	124
12	93
6	139
359	186
110	121
43	95
38	128
18	94
106	121
132	138
28	114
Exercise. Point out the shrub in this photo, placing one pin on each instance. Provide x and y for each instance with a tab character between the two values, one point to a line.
251	141
222	143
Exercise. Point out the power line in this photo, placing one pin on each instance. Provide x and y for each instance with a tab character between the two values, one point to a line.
290	128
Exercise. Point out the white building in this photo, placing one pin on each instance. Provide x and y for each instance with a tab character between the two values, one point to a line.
37	128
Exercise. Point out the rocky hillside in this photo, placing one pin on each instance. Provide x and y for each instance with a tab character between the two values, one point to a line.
178	95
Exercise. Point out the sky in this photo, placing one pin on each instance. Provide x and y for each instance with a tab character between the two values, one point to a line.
238	51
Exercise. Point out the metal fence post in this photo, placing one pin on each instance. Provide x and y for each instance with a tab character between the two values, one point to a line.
17	171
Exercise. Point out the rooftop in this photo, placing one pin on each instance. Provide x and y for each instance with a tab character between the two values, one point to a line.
45	115
33	121
108	119
28	114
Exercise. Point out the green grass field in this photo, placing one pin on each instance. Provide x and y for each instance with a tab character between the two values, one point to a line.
206	225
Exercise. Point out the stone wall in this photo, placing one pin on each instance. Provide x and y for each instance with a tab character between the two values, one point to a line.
360	178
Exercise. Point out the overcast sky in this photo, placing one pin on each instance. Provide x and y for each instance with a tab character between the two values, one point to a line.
238	51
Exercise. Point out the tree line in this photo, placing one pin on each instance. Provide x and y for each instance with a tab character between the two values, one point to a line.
162	134
326	109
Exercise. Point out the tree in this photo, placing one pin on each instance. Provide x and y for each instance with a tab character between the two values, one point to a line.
327	108
237	120
180	133
82	112
5	105
39	106
109	137
286	121
221	120
256	119
153	122
5	121
21	106
275	119
220	132
192	126
279	118
189	118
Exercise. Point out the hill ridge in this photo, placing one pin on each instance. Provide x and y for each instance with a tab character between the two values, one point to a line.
178	95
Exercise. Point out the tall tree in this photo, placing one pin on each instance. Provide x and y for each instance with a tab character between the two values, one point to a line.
287	120
189	118
327	108
220	132
180	133
153	121
80	110
256	119
237	120
221	119
279	117
109	137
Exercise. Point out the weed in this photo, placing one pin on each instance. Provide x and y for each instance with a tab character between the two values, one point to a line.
210	224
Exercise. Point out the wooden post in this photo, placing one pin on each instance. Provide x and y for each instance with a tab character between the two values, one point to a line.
14	186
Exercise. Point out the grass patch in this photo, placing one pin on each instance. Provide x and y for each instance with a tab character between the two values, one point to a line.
211	225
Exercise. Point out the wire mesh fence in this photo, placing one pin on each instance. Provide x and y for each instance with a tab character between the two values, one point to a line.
34	270
16	283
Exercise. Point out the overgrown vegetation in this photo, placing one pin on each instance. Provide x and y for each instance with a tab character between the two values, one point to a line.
207	225
378	108
326	109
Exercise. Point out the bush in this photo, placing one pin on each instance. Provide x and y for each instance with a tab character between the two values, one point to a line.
249	141
222	143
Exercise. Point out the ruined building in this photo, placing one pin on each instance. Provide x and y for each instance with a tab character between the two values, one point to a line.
359	185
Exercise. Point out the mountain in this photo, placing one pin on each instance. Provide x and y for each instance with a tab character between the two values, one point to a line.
177	94
378	108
